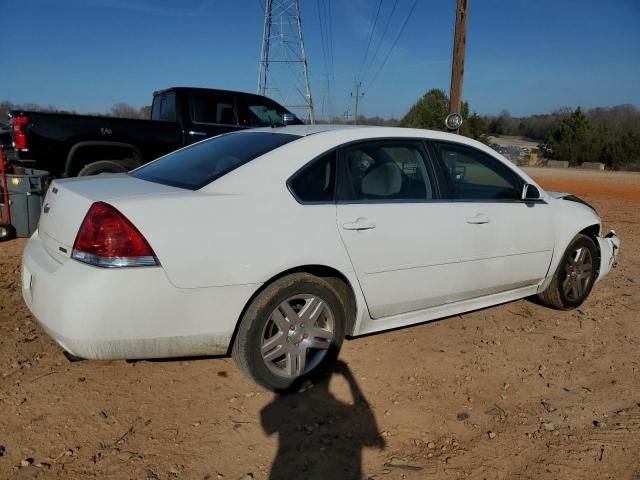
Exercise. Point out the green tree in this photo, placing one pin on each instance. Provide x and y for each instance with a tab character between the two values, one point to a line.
428	112
573	139
432	109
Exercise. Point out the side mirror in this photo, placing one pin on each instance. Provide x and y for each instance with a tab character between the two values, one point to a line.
530	192
288	118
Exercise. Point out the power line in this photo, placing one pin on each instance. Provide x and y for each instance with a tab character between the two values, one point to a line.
373	28
331	57
322	36
326	43
332	85
328	25
404	24
384	33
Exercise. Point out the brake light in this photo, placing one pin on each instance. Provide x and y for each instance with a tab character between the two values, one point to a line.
19	135
108	239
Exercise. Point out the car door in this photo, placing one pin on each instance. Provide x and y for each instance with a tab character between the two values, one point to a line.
211	113
395	229
507	243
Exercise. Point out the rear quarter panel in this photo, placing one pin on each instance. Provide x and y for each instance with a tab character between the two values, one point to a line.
205	240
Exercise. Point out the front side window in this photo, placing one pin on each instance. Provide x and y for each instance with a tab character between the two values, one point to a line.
388	171
198	165
317	181
473	175
263	112
217	108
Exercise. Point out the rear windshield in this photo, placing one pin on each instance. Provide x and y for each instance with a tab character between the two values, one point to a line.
199	165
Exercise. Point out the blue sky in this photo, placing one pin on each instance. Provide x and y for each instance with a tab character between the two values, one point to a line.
525	56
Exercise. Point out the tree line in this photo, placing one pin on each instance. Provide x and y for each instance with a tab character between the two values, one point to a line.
119	110
610	135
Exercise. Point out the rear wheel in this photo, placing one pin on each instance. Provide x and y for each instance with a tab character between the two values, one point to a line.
574	277
102	166
7	232
291	332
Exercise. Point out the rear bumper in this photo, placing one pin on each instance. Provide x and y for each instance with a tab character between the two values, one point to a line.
127	313
609	248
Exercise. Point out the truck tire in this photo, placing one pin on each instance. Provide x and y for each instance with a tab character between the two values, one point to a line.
102	166
7	232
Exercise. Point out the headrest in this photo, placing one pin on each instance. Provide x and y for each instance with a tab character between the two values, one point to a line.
382	180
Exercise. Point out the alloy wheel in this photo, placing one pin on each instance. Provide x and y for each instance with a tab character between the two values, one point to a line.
297	336
578	272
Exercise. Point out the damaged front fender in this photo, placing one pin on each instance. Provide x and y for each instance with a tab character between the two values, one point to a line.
609	248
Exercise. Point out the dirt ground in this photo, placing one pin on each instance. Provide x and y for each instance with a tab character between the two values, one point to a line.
514	391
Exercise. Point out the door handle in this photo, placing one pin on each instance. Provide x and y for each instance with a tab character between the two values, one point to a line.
478	219
197	134
359	224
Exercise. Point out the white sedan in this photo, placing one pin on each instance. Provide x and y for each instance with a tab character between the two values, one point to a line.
274	244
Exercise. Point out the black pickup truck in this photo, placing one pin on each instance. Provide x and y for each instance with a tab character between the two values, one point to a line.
5	137
69	145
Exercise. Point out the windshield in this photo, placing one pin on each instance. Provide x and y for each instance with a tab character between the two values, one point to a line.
200	164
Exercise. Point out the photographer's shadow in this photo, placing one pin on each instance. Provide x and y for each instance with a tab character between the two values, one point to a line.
321	437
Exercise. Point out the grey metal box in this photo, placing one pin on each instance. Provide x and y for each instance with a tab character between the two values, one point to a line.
26	194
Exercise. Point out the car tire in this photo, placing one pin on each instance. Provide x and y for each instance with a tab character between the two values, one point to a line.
102	166
7	232
275	347
575	275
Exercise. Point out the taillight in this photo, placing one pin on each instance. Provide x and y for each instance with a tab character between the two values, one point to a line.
19	123
108	239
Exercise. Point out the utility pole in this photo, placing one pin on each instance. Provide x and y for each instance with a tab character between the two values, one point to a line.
457	65
283	70
357	97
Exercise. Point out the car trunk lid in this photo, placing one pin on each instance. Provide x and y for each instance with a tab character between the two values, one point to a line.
68	201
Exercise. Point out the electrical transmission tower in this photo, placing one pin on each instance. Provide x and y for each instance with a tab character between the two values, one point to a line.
283	69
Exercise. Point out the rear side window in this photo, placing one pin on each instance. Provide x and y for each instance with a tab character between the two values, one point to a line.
473	175
164	107
198	165
316	182
209	107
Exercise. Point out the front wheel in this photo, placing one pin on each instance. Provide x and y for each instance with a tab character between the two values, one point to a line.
575	275
291	332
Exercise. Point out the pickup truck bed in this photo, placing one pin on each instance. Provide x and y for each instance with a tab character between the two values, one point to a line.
65	144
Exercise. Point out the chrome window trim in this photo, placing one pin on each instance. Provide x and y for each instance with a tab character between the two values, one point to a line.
439	200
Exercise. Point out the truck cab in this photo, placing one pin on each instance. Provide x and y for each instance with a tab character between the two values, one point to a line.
203	112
